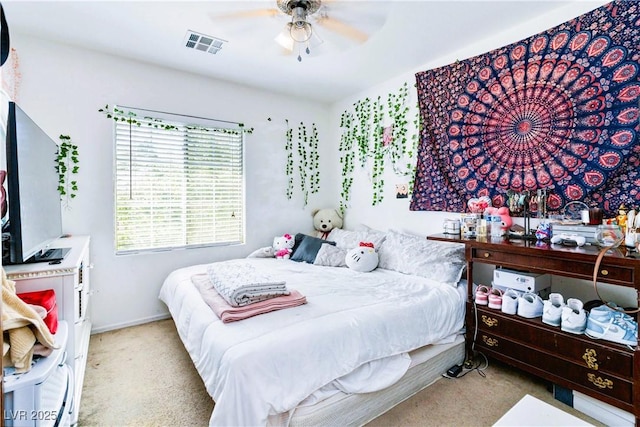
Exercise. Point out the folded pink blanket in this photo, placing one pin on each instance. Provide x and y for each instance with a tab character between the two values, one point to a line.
228	313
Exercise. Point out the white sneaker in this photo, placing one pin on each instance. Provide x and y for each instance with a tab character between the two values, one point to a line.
510	301
574	318
530	305
552	309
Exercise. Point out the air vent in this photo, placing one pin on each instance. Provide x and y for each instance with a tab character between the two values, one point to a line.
203	43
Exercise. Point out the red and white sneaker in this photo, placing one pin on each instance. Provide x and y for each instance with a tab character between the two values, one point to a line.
482	295
495	299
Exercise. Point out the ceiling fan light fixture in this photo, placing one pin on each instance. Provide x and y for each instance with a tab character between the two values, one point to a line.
300	33
299	28
284	38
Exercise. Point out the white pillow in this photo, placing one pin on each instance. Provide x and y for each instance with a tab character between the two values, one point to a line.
330	256
410	254
346	239
374	236
266	252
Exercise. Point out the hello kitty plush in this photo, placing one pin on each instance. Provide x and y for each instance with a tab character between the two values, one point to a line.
363	258
283	246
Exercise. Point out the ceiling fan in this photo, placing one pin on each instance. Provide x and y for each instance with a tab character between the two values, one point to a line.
302	16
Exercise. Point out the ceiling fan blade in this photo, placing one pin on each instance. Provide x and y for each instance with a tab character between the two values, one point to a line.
247	14
343	29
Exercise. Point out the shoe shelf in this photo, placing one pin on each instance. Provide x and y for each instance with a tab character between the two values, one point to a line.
604	370
600	369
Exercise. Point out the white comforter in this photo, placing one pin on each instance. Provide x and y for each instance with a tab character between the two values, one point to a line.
270	363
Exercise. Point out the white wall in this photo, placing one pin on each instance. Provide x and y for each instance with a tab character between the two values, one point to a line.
62	88
395	213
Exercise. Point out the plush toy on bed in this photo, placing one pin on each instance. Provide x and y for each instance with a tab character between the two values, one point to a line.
325	220
283	246
363	258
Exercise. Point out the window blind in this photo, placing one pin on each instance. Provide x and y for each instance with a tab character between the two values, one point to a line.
177	187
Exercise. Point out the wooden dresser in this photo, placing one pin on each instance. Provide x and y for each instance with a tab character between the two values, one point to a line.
601	369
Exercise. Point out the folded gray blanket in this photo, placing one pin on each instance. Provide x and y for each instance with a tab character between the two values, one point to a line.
240	283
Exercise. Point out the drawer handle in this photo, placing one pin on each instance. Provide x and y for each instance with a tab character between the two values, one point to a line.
591	358
600	382
486	254
491	342
489	321
604	272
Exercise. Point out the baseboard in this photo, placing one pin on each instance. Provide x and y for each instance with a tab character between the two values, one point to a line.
136	322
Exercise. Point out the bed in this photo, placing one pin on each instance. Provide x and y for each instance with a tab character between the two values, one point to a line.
361	344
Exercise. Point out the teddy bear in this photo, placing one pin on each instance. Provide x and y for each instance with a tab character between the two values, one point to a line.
362	258
505	219
325	220
283	246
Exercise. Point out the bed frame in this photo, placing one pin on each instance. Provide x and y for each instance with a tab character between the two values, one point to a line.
427	366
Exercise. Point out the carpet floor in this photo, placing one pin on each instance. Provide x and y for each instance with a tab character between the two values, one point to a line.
142	376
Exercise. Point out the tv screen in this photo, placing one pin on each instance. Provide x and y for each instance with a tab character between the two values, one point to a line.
35	217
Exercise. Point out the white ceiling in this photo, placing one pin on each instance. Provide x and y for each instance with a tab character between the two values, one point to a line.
403	35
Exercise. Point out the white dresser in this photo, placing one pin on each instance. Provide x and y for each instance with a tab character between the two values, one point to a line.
42	396
70	281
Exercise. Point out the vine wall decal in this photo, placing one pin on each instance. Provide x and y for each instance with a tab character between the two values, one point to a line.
307	158
378	132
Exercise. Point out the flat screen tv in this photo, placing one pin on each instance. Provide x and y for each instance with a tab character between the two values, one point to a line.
34	207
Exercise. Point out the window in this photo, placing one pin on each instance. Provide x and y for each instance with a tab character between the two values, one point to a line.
177	186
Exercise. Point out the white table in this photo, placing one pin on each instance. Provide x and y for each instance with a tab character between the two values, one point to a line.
530	411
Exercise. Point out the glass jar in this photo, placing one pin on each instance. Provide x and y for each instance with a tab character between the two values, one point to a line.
609	235
468	224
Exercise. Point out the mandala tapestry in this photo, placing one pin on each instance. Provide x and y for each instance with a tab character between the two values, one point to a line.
557	111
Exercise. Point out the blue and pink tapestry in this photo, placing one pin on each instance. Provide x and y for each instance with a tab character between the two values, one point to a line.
558	111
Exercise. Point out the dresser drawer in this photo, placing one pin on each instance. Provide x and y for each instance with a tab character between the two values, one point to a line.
598	356
616	274
603	383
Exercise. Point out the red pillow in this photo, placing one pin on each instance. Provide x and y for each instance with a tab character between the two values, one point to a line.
47	300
